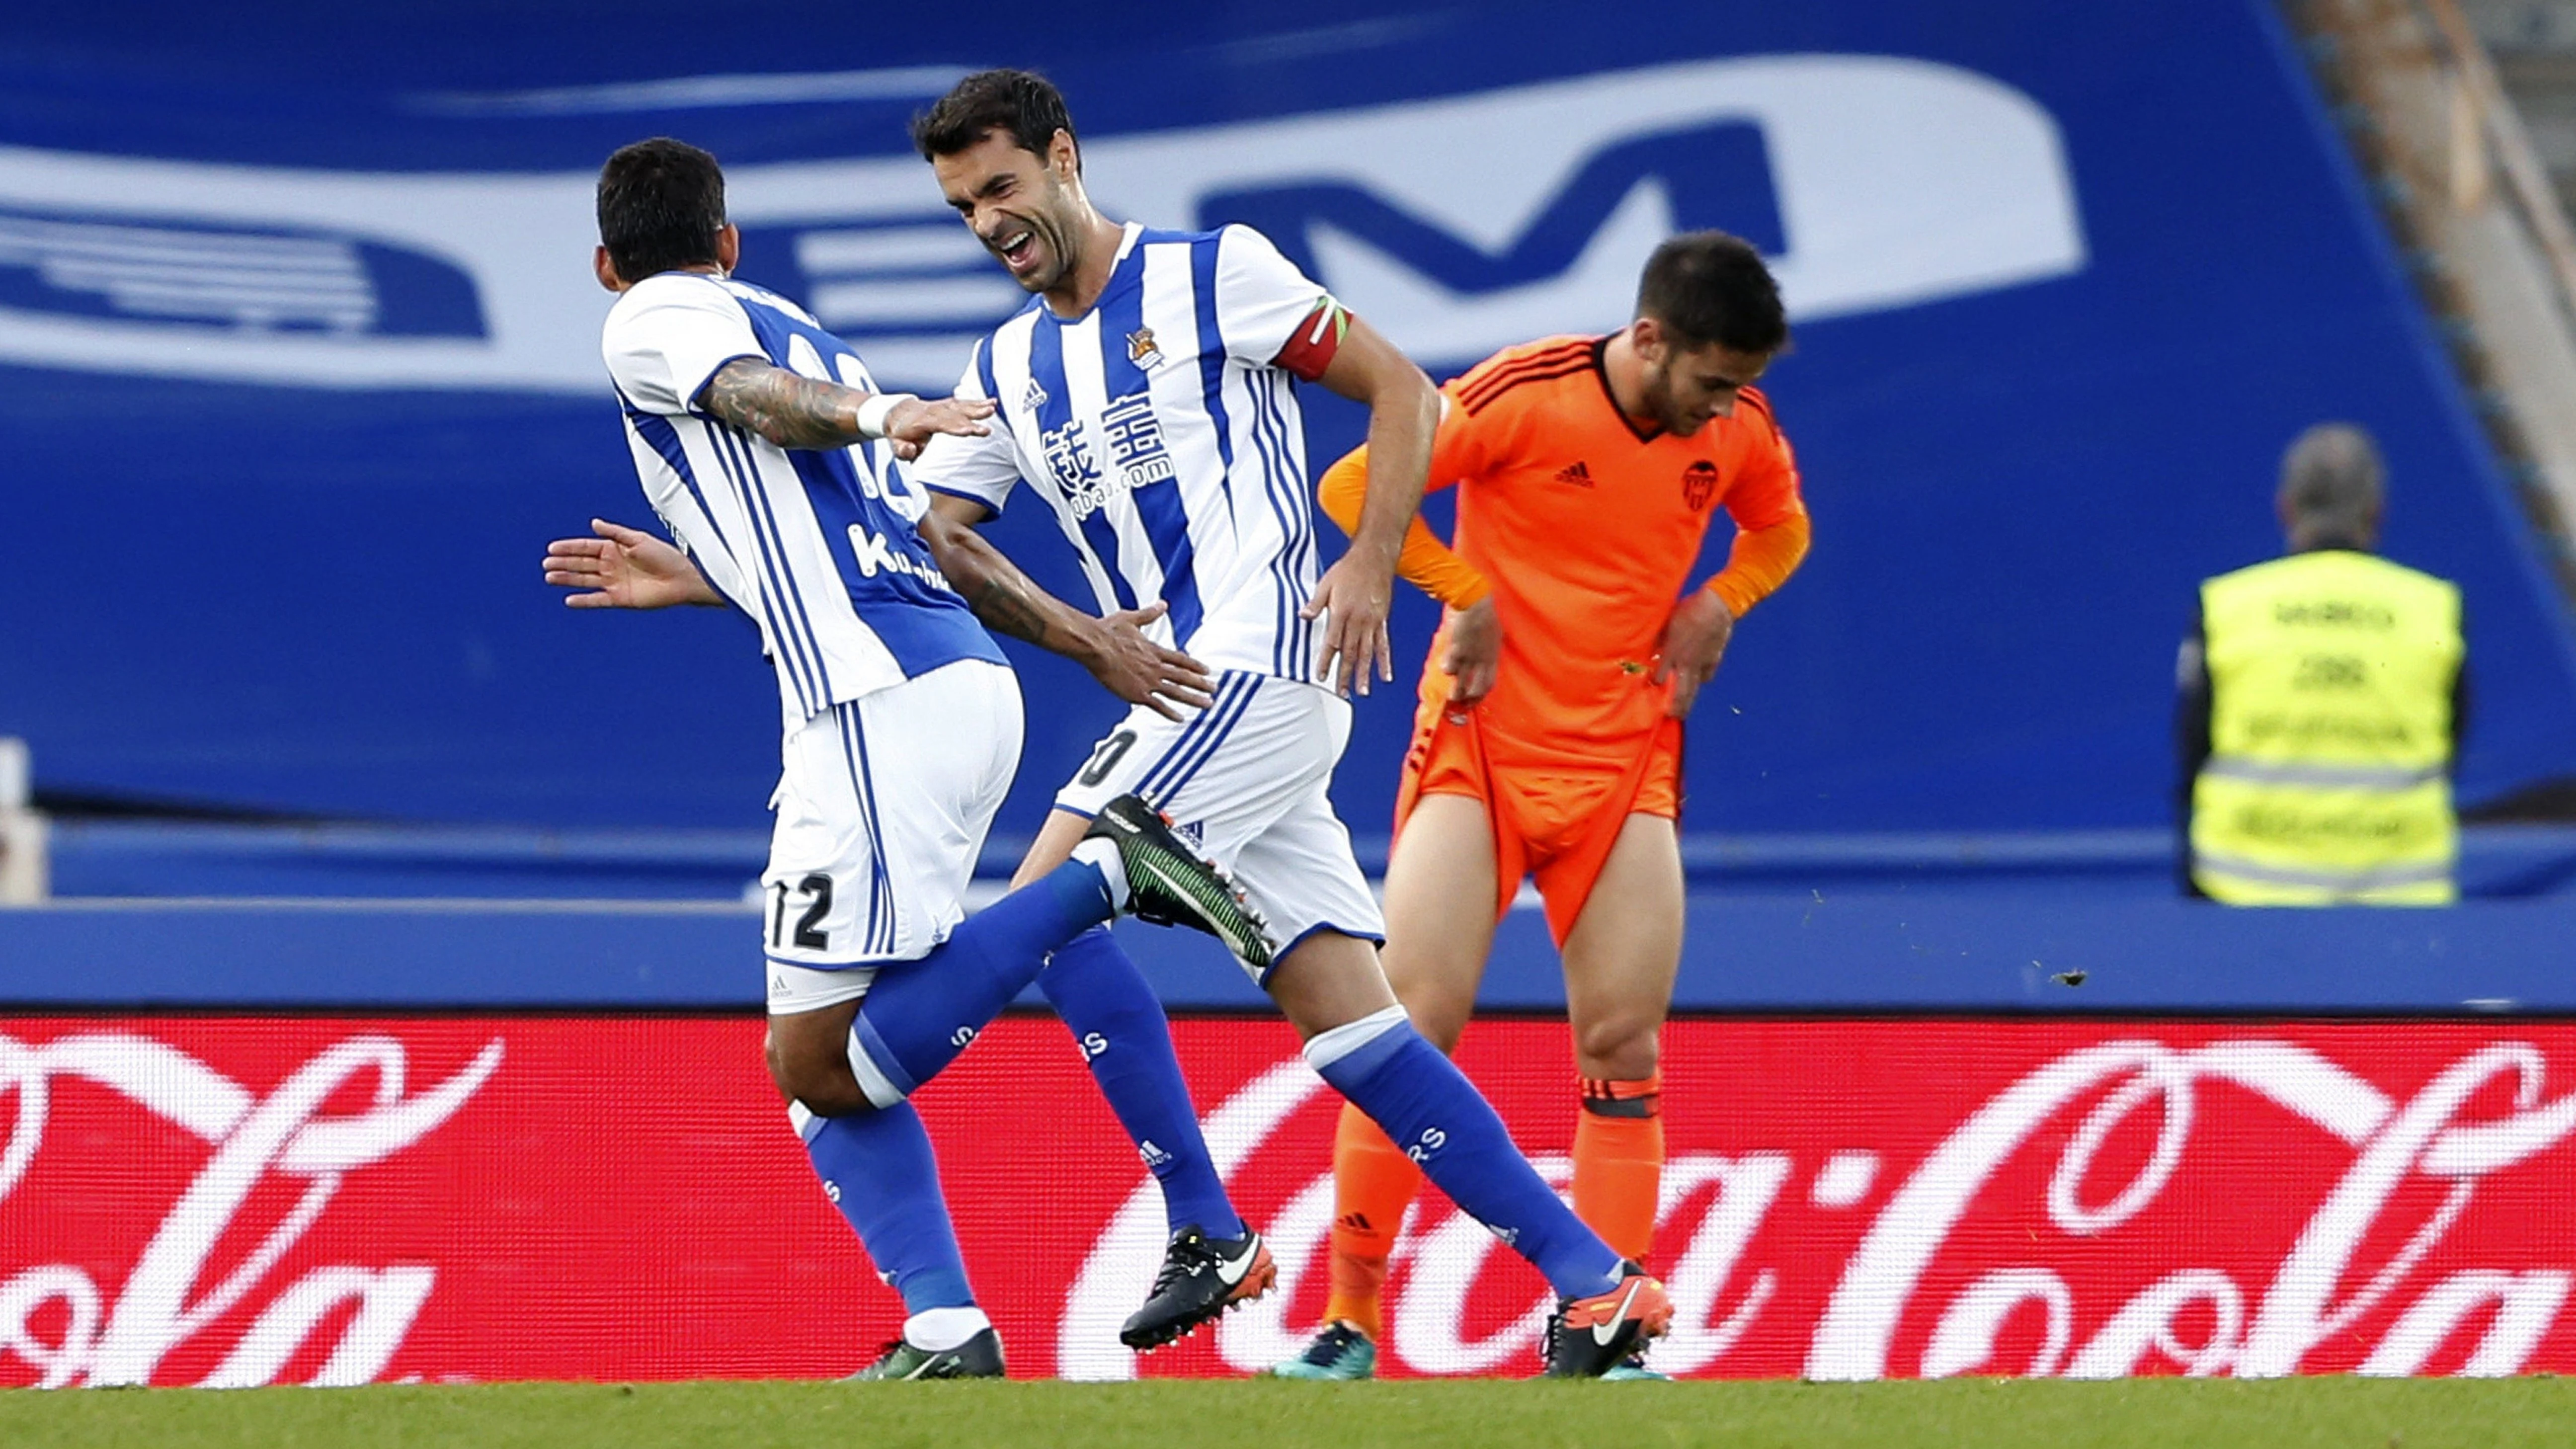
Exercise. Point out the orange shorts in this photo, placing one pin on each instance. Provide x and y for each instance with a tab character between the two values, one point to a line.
1555	816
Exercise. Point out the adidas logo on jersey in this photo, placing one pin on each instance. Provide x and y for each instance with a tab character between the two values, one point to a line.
1575	474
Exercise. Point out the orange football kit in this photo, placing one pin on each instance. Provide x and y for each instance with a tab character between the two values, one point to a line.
1582	524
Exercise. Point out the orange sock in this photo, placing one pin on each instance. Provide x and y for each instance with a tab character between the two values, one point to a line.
1619	1162
1372	1186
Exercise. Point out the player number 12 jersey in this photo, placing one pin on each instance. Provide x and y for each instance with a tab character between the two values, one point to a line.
816	544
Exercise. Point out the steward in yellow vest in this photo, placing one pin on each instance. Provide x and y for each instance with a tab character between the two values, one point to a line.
2322	699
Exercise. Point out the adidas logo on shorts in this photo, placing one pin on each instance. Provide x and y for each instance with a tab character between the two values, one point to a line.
1577	475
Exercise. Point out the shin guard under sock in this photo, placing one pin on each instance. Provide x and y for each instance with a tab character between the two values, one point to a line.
1127	1040
1619	1162
877	1168
1373	1185
1429	1109
918	1015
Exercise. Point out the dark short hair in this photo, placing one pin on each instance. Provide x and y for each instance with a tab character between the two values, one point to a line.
1707	286
1021	103
661	203
2332	477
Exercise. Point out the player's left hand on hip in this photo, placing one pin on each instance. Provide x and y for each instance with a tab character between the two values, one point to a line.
1694	641
1353	598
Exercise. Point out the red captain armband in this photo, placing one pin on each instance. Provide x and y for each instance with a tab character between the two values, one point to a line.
1311	347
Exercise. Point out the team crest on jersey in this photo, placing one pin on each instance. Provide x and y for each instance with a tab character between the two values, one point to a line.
1699	480
1142	349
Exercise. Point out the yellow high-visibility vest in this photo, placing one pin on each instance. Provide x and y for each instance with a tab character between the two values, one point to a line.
2330	734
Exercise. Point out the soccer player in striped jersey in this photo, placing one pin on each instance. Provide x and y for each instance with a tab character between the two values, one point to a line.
1548	738
766	449
1148	395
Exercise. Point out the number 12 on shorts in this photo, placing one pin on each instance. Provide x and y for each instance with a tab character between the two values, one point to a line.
809	933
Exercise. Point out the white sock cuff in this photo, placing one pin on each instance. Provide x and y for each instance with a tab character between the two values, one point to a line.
874	1084
938	1330
1102	855
1327	1047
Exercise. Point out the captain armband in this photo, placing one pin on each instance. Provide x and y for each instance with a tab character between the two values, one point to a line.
1312	347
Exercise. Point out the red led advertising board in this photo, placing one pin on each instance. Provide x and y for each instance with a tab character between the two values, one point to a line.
240	1200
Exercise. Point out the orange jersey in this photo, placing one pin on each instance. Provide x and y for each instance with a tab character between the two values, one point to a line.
1586	530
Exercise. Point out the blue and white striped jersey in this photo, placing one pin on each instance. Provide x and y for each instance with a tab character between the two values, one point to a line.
817	545
1168	442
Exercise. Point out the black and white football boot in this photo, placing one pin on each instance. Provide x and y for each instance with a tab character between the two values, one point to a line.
1171	884
1201	1278
979	1357
1591	1338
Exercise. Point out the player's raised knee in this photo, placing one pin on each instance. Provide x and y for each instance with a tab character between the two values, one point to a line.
811	1075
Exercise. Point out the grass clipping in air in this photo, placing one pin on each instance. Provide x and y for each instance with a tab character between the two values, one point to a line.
1990	1413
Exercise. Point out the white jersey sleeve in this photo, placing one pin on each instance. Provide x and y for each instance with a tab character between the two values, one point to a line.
1260	296
983	468
674	333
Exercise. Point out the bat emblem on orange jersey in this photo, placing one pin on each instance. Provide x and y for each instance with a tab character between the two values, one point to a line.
1699	480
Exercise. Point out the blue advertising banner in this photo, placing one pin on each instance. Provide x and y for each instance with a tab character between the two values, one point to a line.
299	366
1777	953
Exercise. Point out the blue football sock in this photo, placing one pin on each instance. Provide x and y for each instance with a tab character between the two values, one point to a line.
1428	1108
1124	1035
878	1170
918	1015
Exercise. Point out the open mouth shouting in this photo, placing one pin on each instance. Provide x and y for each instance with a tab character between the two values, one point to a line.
1017	245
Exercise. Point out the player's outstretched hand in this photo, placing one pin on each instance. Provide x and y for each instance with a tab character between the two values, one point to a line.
914	423
1694	641
624	568
1140	671
1352	598
1475	653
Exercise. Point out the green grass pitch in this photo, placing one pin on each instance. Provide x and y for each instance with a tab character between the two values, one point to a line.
1984	1413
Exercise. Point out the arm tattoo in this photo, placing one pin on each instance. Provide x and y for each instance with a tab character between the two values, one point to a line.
1004	606
789	410
994	587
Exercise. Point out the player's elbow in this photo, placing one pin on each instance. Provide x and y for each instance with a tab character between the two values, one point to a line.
954	548
1386	380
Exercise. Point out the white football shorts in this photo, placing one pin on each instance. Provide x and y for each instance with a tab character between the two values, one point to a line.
883	803
1246	779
